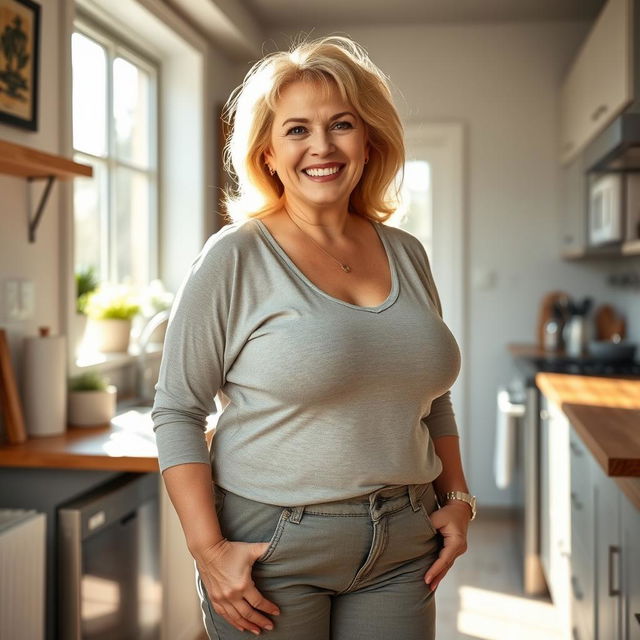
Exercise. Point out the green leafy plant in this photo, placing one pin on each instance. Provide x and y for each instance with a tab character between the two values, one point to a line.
86	283
90	381
111	301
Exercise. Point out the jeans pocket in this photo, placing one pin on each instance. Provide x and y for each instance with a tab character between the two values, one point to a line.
429	504
276	536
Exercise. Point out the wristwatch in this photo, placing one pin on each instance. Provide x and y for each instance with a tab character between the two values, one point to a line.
465	497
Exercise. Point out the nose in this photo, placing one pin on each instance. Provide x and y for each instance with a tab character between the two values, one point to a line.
321	143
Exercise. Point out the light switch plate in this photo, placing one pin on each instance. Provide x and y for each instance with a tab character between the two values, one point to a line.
11	295
27	299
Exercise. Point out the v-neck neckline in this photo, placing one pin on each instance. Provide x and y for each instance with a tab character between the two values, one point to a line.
385	304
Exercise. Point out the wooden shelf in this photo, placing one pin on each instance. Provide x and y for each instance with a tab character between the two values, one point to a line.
25	162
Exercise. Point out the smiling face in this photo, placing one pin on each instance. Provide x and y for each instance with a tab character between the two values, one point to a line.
318	146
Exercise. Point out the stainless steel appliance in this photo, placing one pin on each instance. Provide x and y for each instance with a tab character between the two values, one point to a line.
606	209
109	562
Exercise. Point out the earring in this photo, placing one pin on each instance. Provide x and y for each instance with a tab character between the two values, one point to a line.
366	160
271	171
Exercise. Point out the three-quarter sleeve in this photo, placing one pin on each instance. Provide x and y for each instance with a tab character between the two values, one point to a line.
192	365
440	420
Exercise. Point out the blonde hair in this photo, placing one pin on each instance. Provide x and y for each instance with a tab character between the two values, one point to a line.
250	111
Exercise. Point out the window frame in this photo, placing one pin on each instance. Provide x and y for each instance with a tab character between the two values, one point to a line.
117	45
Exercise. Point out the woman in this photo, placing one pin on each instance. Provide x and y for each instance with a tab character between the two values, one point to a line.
321	332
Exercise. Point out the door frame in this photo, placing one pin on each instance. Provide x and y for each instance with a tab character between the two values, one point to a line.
442	145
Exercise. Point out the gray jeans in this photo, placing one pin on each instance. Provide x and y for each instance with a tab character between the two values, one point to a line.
346	570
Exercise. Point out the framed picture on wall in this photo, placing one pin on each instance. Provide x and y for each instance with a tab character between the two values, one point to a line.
19	58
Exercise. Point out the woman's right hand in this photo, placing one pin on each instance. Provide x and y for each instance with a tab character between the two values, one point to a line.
225	570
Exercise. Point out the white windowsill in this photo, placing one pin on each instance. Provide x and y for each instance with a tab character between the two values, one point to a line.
108	361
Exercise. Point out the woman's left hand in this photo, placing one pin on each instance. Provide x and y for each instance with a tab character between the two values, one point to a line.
451	521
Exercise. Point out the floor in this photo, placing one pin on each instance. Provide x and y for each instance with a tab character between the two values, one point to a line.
481	597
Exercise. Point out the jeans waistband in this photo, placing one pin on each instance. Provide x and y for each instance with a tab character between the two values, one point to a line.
375	504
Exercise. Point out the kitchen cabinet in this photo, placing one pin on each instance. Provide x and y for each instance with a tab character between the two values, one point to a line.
608	555
582	539
573	209
630	560
555	519
599	84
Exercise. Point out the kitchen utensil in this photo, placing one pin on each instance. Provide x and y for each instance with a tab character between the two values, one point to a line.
609	324
578	330
553	329
546	312
15	431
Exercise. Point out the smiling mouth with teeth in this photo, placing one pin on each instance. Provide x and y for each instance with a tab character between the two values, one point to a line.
318	173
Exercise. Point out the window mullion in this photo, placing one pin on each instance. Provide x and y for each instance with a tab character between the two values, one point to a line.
112	179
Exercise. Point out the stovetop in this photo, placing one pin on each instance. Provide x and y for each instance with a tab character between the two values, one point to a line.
584	366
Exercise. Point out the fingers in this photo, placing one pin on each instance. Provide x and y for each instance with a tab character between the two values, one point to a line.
241	609
441	566
258	601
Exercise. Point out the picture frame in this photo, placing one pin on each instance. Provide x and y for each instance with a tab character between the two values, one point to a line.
19	63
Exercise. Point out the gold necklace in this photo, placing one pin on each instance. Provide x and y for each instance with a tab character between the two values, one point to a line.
343	265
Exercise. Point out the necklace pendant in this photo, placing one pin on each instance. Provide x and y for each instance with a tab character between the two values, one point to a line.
346	268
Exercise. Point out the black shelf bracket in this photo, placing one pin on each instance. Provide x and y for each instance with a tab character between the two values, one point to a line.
33	223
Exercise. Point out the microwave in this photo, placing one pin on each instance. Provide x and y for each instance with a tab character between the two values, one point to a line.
606	206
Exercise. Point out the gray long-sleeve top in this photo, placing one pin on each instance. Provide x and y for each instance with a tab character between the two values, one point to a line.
323	400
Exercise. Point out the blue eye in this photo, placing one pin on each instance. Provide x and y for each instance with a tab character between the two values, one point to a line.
296	130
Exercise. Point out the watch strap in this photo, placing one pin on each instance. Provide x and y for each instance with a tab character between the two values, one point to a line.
464	497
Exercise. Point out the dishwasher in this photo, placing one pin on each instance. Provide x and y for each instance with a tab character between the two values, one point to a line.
109	562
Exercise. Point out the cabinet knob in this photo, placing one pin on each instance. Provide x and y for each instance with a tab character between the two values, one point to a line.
544	414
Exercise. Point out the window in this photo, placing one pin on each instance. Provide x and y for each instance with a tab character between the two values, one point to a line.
115	96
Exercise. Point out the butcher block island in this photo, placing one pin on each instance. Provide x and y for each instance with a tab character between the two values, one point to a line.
605	413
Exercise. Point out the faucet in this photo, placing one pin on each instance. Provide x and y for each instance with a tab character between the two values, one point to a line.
142	377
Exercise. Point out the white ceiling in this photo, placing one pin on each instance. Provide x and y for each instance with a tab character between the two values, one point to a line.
288	13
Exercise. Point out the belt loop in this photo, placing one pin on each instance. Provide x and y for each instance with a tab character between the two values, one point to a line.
296	514
413	497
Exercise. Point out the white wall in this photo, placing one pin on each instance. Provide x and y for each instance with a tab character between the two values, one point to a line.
502	81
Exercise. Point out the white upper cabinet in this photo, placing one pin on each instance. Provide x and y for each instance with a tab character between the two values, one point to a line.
599	84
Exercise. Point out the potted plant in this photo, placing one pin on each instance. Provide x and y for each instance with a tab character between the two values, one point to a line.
111	309
86	283
155	298
91	400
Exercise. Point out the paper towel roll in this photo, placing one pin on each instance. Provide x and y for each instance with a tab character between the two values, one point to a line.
44	384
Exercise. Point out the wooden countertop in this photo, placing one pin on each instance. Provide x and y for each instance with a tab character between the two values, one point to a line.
127	444
605	413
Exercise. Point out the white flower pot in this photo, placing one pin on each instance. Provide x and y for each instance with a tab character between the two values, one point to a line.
92	408
79	330
109	335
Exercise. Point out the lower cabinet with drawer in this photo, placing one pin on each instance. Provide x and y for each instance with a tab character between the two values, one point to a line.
605	552
630	560
583	553
608	556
